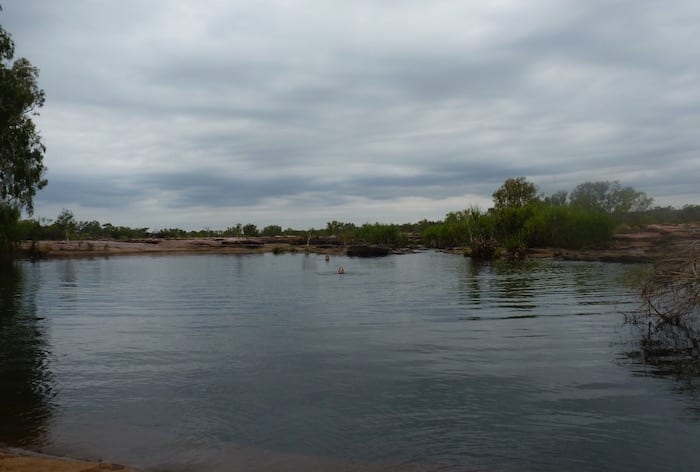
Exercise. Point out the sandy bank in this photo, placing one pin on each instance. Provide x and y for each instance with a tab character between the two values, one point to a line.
644	245
653	242
11	462
105	248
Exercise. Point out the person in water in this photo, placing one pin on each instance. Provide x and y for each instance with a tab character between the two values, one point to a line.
328	258
341	270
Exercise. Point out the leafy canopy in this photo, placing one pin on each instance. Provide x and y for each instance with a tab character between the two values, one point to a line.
515	193
609	197
21	151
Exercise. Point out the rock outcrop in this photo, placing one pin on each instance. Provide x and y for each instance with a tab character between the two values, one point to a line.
368	251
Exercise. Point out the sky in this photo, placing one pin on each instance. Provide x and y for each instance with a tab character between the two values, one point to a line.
169	113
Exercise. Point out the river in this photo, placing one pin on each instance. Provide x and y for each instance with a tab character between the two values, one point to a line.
267	362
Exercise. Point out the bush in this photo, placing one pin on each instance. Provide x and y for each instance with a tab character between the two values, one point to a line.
567	227
483	248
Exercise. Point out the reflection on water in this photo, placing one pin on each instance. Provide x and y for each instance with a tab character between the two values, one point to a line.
520	289
666	351
25	381
263	362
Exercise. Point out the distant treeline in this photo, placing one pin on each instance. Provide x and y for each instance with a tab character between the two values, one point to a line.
520	218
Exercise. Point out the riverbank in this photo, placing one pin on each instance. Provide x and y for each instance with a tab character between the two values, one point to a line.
642	245
23	461
651	243
106	248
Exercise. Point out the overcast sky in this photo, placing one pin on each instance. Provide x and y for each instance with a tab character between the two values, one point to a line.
192	114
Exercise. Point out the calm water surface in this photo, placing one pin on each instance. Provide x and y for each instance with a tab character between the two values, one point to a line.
264	362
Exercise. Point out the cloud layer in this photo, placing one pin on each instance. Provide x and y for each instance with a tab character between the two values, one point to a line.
192	114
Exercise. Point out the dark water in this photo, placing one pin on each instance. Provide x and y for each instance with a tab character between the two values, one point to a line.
415	362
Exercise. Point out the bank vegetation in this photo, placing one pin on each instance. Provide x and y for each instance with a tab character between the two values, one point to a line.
521	219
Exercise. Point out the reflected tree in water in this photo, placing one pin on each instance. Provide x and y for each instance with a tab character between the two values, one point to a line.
514	283
25	382
472	274
511	284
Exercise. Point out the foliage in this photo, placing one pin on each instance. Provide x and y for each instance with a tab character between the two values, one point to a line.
515	193
558	198
233	231
171	233
509	222
271	230
66	222
250	230
346	232
483	248
609	197
566	227
543	222
460	228
21	150
517	228
381	234
665	215
9	231
442	235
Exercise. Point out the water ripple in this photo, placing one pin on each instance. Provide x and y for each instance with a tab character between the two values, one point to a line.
418	362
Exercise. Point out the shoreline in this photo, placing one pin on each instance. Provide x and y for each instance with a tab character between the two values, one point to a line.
647	245
20	460
108	248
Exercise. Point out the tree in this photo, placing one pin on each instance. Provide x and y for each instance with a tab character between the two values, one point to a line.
21	151
343	231
235	231
515	193
609	197
557	199
250	230
66	222
271	230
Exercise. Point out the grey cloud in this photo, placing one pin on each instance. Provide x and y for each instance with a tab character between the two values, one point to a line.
191	189
93	192
321	103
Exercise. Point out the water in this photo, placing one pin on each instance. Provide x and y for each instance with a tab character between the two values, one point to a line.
264	362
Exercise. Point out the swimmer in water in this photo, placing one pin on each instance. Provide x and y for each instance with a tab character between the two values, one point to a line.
341	270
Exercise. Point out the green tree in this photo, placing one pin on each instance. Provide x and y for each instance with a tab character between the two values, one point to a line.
271	230
66	222
558	198
609	197
9	217
343	231
89	229
515	193
21	151
236	230
250	230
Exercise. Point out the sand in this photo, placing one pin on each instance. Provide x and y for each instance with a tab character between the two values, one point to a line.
16	462
640	245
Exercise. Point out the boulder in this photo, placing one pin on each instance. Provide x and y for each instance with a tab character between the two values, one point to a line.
367	251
